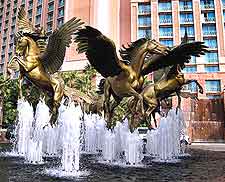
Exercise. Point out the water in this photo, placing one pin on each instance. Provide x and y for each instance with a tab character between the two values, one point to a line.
164	143
36	138
203	165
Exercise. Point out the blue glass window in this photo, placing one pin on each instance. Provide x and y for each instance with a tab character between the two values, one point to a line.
165	6
205	4
211	43
61	12
61	2
208	16
190	69
165	31
144	33
192	87
209	29
186	17
144	20
189	29
185	5
167	42
211	57
211	69
39	9
214	96
213	85
165	18
144	8
38	19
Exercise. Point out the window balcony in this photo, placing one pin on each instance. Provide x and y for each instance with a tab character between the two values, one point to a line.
187	21
209	33
166	34
165	21
209	20
207	6
186	8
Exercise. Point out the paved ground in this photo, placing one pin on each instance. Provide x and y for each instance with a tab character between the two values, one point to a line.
208	146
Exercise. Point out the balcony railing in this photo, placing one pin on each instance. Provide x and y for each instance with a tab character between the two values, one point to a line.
208	33
166	8
207	6
209	20
185	8
187	20
166	34
165	21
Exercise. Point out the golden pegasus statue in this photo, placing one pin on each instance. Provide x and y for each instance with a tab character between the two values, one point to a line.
172	81
122	79
39	59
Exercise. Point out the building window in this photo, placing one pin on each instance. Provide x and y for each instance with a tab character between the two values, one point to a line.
30	4
144	21
51	7
211	43
38	19
211	57
214	96
192	87
165	6
50	16
165	18
190	69
144	8
60	22
39	10
61	12
165	31
49	27
186	17
208	17
212	86
210	69
61	2
144	33
185	5
167	42
39	2
209	29
189	29
207	4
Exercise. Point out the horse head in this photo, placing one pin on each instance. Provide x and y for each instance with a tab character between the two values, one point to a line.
25	44
154	47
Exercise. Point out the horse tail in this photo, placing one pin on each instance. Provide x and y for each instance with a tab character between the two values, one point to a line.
101	86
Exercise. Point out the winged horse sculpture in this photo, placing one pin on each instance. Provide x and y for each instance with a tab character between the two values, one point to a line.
39	60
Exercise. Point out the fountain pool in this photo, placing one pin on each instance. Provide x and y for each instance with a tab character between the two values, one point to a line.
203	165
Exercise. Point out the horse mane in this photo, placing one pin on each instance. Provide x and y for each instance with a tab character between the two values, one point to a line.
127	52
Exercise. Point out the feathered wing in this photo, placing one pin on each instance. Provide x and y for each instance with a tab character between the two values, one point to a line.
52	58
100	51
178	55
23	23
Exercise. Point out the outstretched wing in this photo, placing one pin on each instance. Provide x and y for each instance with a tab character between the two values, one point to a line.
178	55
100	51
52	58
23	23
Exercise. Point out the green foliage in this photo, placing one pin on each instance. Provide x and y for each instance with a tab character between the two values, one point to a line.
81	80
9	92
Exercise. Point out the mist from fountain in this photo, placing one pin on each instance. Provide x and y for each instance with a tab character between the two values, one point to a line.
70	119
164	143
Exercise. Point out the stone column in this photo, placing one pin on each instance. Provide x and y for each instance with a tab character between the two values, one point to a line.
176	26
155	19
